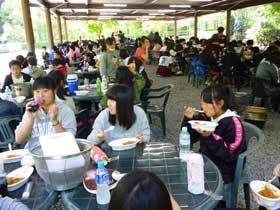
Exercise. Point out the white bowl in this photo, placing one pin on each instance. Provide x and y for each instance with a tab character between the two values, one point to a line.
119	144
25	172
14	155
20	99
256	186
203	125
81	92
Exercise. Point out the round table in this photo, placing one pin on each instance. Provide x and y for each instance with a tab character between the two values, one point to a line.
40	198
163	160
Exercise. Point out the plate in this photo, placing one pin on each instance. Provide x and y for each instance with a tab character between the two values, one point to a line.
14	155
81	92
124	144
84	87
24	173
112	185
203	125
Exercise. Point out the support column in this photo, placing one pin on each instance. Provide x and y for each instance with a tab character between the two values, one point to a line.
65	29
59	29
49	27
195	25
228	26
175	28
27	22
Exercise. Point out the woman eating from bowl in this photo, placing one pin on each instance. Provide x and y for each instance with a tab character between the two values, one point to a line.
45	115
227	141
128	120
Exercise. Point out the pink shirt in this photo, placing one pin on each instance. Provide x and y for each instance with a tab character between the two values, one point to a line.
139	52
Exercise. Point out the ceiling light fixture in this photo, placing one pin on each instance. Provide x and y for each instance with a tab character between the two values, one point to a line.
156	14
199	0
108	13
115	5
108	10
179	6
166	10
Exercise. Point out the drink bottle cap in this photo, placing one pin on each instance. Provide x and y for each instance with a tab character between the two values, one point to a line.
184	129
100	165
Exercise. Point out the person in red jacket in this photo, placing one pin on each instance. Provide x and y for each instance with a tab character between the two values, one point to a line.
60	66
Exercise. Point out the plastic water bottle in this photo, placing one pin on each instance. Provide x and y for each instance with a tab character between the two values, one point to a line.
104	84
8	93
103	195
98	86
184	144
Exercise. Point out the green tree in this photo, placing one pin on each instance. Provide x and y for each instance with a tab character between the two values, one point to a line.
98	27
240	21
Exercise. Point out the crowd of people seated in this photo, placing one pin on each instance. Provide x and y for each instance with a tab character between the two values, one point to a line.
222	62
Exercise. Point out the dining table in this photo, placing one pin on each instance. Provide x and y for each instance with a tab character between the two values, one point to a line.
163	160
160	158
41	197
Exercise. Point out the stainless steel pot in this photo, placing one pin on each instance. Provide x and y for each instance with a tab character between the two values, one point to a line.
22	89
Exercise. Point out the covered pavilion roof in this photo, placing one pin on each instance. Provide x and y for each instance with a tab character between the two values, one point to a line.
141	9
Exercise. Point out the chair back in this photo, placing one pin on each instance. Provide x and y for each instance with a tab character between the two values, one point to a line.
254	137
7	126
156	93
258	88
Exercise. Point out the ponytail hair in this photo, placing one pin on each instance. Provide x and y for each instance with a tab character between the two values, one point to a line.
217	92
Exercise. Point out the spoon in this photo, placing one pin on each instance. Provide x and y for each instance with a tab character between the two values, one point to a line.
10	147
271	180
199	111
117	175
109	129
215	196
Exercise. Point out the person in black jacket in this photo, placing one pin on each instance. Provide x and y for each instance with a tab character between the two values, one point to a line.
227	141
16	76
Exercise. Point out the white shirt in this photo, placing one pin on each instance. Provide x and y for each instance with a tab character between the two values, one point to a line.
17	80
43	126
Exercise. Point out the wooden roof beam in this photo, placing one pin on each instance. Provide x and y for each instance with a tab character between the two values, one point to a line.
101	6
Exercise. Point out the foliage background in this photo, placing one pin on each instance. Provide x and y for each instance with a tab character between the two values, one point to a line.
260	23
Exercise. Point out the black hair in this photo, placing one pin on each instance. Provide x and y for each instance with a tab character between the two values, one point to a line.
57	62
217	92
32	60
124	53
44	82
90	55
221	29
59	77
124	76
109	41
250	42
123	95
14	63
30	54
272	54
140	190
138	62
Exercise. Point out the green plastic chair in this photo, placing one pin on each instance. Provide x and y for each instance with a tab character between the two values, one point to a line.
160	95
254	138
7	126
